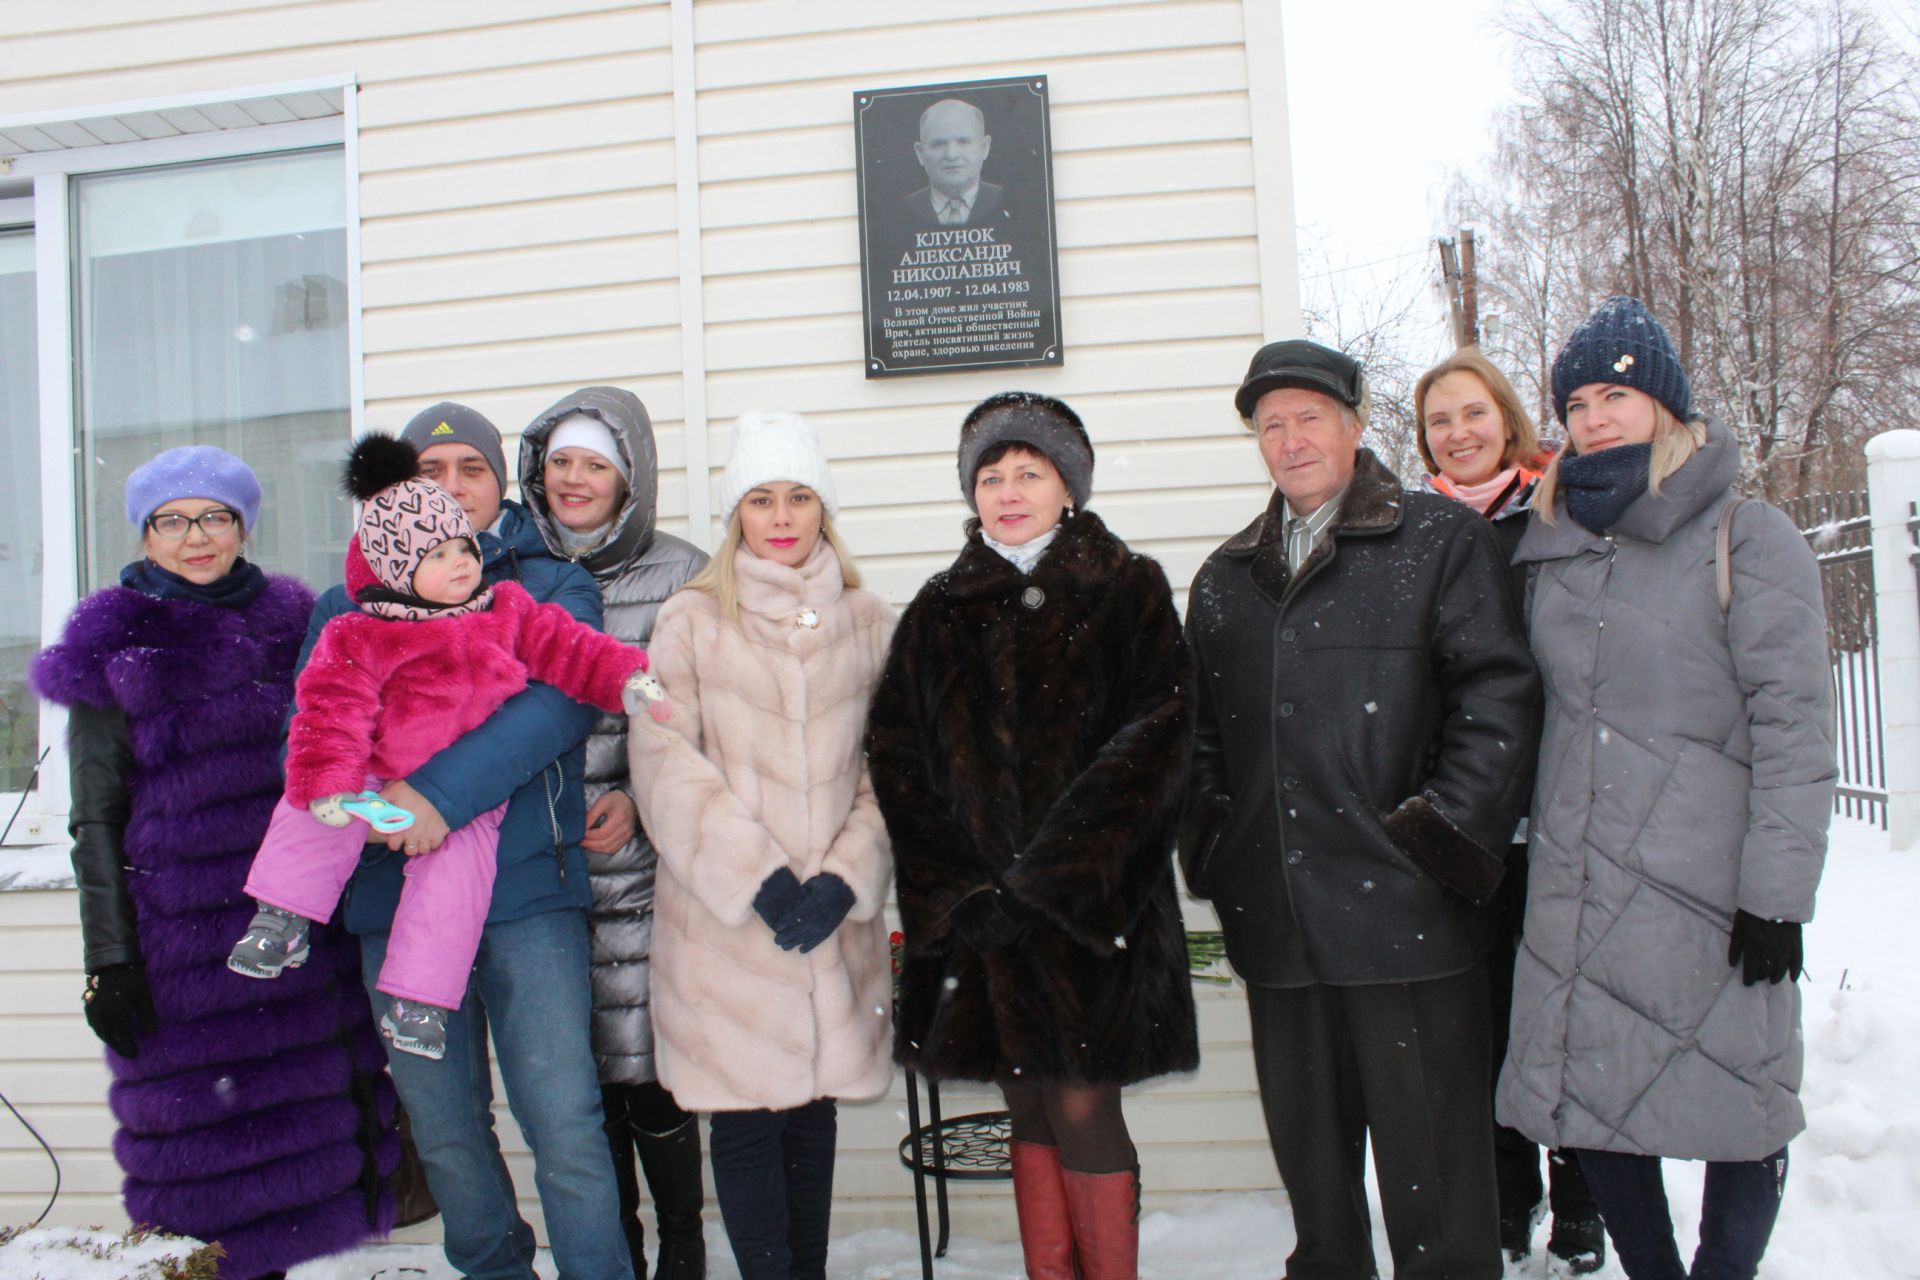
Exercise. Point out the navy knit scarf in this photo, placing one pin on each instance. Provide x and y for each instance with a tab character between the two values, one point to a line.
235	589
1599	487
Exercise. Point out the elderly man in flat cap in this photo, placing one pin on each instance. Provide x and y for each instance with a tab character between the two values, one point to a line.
1367	715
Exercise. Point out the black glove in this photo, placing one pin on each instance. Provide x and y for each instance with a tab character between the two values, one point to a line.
990	920
1769	949
778	894
119	1007
824	903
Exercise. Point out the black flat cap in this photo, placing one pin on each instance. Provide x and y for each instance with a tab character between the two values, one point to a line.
1300	363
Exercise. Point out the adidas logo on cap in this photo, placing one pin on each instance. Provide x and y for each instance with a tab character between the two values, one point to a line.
442	430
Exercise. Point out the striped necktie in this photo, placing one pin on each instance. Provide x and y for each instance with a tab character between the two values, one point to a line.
1299	543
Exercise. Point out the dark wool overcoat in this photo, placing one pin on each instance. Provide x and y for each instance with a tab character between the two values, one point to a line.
257	1114
1031	737
1366	736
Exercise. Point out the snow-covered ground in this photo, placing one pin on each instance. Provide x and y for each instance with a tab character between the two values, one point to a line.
1852	1207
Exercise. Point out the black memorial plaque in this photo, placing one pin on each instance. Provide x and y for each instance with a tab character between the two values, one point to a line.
957	256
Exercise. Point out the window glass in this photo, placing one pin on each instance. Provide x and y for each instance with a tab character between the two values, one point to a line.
20	552
211	308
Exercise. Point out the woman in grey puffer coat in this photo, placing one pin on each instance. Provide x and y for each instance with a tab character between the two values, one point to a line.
589	476
1680	815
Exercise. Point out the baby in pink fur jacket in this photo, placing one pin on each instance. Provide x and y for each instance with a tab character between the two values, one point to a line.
433	651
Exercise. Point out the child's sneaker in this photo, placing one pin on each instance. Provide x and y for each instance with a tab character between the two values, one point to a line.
275	940
416	1028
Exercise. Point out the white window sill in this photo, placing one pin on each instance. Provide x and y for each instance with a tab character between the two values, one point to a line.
43	867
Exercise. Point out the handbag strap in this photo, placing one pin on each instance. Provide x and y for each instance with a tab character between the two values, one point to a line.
1723	554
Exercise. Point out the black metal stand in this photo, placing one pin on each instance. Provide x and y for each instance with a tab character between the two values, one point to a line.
971	1147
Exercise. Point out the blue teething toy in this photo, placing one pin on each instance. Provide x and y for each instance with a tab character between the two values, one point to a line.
381	816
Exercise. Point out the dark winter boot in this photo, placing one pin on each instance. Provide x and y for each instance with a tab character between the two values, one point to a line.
1040	1201
671	1161
1577	1246
1105	1211
1517	1223
626	1177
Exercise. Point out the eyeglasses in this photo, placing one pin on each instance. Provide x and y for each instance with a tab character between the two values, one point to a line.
171	526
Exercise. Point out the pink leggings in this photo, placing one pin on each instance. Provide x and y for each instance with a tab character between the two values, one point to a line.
303	864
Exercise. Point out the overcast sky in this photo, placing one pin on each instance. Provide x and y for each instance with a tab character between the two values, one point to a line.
1385	99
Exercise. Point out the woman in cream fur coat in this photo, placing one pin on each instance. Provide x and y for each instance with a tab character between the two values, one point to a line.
771	983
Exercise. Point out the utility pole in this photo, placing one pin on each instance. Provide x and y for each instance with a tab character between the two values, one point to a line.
1469	289
1462	289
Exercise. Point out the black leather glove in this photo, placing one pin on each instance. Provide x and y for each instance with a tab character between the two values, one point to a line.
824	903
990	920
1769	949
119	1007
778	894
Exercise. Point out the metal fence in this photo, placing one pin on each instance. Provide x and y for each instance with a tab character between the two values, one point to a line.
1839	530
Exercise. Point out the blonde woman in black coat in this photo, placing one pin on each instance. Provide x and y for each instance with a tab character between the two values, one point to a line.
1481	450
1029	746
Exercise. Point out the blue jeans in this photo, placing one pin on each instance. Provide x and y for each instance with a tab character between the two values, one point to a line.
1737	1211
530	983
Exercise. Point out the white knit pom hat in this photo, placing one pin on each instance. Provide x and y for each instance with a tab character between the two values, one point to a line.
775	446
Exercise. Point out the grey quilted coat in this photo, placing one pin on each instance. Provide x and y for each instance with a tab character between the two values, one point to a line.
636	568
1686	769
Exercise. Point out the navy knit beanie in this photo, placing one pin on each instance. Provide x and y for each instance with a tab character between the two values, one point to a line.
1623	344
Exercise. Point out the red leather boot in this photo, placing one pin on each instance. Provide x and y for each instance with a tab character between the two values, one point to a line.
1040	1199
1105	1211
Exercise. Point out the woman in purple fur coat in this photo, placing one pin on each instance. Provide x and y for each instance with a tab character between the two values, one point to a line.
256	1115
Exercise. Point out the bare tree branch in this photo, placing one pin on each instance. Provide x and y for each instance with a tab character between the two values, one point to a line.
1748	168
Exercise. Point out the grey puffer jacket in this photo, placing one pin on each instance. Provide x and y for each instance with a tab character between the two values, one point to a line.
636	568
1686	770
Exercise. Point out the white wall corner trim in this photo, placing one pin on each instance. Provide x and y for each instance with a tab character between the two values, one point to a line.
356	295
1272	169
693	350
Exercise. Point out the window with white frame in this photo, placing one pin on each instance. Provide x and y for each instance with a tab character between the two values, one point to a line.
20	551
210	307
195	289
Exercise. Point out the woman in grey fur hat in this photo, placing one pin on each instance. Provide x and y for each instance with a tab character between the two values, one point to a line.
1029	745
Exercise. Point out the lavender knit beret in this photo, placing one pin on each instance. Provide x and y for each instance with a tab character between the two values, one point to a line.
193	471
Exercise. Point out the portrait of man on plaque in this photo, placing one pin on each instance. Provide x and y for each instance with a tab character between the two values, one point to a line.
952	150
956	226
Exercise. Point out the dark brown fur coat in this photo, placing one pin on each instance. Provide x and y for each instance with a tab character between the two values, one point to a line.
1030	742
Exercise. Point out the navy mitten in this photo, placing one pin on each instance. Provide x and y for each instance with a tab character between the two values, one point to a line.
779	893
824	903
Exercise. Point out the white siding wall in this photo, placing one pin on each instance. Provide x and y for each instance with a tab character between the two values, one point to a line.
1161	309
519	239
1158	255
51	1069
